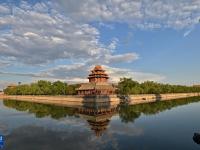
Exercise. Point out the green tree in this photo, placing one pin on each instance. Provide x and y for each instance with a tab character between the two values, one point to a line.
59	88
128	86
45	87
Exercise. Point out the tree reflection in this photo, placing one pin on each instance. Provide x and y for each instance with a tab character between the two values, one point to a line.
128	113
98	115
41	110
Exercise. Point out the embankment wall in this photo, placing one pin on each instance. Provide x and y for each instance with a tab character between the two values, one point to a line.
75	100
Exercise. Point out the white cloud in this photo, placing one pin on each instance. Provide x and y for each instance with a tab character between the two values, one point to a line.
4	9
143	14
69	72
38	38
128	57
4	64
40	35
125	129
112	46
22	74
188	32
117	73
78	73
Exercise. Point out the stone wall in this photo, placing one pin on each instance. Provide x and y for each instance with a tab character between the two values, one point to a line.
147	98
75	100
71	100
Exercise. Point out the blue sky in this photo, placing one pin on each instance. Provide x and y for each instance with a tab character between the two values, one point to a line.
64	39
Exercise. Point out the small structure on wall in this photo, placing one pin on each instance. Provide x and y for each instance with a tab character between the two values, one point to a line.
196	85
12	85
98	83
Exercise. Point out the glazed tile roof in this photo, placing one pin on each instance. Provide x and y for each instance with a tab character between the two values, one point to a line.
98	67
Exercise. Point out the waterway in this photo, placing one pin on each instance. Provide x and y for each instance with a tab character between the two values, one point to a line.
163	125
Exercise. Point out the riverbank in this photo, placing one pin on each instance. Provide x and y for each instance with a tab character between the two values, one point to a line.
69	100
149	98
75	100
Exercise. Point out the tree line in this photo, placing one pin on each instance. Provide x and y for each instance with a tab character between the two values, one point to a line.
128	86
42	88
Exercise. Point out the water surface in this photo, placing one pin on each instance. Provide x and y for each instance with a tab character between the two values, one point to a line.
161	125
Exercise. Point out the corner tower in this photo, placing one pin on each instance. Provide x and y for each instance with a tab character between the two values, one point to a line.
98	83
98	75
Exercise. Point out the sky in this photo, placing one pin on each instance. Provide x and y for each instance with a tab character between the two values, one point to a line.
155	40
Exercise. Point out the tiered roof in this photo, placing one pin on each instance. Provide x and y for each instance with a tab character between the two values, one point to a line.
97	83
99	127
98	72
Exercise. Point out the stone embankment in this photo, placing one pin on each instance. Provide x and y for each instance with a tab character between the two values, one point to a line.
148	98
75	100
71	100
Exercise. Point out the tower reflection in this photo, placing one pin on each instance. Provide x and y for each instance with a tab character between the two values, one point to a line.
98	115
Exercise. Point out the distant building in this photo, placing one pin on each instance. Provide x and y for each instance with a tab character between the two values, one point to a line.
196	85
98	83
1	92
11	86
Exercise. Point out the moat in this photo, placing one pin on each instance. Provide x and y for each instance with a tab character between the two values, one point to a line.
161	125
